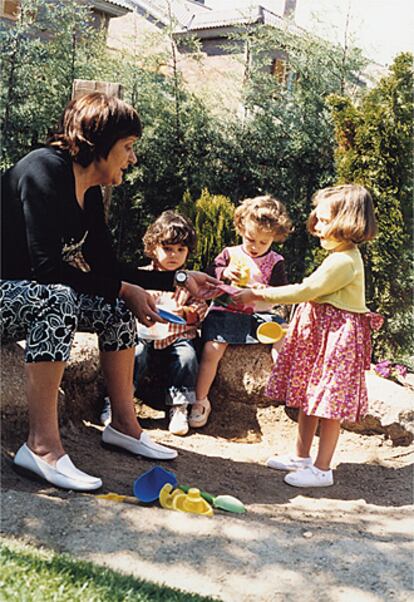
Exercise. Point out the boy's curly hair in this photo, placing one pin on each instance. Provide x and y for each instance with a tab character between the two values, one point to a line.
265	212
169	228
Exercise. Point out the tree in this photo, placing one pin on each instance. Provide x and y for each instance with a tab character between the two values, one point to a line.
375	149
49	45
212	216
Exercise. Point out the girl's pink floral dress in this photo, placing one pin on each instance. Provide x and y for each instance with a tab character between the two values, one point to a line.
321	367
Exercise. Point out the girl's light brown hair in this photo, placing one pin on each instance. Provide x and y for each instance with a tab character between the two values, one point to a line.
352	213
92	124
169	228
266	213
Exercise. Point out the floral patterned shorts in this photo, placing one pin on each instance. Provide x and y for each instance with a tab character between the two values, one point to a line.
48	315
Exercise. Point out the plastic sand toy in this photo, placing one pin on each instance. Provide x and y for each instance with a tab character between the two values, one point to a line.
159	483
270	332
147	487
221	502
184	502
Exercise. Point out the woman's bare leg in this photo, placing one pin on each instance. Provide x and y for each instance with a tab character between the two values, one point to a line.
210	359
118	369
42	387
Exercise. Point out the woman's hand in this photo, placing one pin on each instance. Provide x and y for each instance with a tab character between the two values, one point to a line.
202	286
141	303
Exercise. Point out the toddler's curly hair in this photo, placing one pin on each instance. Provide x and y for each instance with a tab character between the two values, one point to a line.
266	213
170	228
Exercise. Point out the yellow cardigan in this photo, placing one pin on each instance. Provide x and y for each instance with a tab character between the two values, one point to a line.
339	281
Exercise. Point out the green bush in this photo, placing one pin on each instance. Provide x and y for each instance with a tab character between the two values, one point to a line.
375	149
212	216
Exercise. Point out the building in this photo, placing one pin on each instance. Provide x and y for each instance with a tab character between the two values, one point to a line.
103	10
220	67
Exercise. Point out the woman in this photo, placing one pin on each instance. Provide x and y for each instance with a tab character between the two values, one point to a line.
60	274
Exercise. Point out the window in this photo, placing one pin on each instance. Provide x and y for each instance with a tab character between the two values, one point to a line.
9	9
279	69
283	74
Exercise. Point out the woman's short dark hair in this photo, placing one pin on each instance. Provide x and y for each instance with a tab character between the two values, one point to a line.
92	124
169	228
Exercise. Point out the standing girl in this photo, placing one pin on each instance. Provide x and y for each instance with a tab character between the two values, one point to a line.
260	221
320	369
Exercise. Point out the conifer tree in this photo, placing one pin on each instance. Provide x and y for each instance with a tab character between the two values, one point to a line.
375	149
212	216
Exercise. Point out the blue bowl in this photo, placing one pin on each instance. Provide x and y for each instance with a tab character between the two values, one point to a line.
147	487
170	317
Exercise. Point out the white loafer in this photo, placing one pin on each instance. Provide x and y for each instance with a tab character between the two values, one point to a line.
64	474
144	446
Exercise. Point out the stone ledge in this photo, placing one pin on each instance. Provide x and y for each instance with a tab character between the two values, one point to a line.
241	379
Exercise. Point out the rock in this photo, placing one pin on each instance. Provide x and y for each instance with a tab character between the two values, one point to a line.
241	381
242	375
82	382
391	411
81	386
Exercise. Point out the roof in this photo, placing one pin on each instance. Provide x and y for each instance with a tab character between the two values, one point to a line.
191	16
115	8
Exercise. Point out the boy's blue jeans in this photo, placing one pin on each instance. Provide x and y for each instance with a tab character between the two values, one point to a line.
179	368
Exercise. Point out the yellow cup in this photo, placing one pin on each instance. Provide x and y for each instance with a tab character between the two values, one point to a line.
270	332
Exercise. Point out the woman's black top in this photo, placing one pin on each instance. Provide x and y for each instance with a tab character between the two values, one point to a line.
47	237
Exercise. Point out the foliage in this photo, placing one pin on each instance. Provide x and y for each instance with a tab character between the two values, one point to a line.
212	216
282	141
50	45
284	145
375	149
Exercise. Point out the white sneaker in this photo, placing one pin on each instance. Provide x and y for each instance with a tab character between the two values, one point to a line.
288	462
106	413
310	477
179	420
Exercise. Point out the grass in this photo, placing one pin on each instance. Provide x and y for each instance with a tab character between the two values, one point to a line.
28	574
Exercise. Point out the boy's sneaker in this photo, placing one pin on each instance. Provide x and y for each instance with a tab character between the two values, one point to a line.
310	477
106	413
179	420
288	462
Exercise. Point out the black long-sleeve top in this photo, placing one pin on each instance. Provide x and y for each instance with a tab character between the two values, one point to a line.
49	238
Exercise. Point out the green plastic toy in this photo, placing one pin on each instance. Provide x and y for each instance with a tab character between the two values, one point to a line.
221	502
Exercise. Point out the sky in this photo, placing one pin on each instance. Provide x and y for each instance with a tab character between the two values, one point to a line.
381	28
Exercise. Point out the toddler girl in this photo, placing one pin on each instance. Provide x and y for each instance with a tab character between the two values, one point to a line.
168	242
260	221
320	369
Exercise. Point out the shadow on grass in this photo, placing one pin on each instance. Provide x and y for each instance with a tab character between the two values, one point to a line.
59	576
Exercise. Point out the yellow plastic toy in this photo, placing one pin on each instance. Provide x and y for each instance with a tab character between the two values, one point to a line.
116	497
192	502
244	273
167	495
270	332
184	502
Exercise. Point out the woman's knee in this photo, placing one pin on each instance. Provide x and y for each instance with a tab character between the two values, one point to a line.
213	351
46	314
114	324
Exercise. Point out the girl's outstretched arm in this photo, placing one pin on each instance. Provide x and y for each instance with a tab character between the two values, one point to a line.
334	273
